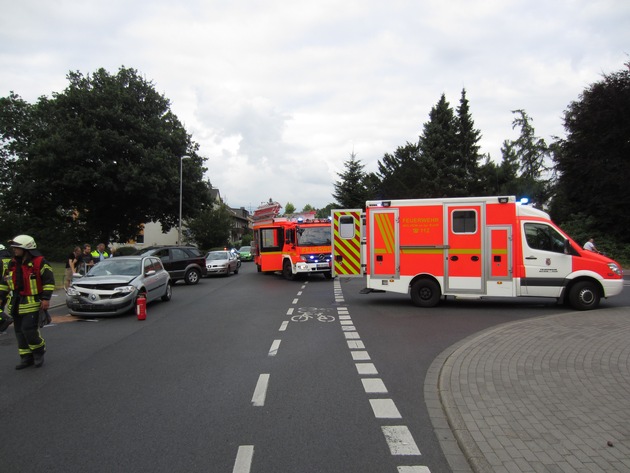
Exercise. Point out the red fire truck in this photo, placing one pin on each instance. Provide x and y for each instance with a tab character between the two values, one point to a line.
470	247
299	245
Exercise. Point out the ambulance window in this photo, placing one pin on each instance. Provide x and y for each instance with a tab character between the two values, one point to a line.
464	221
270	239
346	227
543	237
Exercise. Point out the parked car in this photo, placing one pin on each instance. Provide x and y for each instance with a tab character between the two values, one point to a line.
222	262
112	286
246	253
181	262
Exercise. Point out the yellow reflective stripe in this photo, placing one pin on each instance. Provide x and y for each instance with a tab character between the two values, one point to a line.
48	287
422	251
387	231
39	345
24	351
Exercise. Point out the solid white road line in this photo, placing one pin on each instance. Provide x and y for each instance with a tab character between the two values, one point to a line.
244	458
385	409
258	399
400	440
273	351
413	469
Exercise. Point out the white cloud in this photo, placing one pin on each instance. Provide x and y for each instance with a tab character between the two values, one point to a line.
278	94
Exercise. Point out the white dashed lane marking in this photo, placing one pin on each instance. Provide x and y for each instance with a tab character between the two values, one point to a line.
399	440
398	437
260	393
273	351
244	457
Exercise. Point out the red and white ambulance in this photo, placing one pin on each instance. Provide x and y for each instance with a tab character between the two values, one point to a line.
471	247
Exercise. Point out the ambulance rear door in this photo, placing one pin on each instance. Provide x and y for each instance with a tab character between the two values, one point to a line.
347	229
384	243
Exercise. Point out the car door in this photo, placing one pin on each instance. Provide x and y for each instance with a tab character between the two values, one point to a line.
150	276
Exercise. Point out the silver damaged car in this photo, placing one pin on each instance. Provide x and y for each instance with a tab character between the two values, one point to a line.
112	286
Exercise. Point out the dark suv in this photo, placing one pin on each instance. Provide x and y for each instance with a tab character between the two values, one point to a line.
181	262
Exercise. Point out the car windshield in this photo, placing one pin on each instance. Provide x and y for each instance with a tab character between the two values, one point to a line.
215	255
245	249
313	236
116	266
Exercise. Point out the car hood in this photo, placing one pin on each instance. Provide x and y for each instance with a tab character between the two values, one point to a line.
105	279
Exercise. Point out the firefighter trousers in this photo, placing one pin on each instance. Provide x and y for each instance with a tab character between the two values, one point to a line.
28	336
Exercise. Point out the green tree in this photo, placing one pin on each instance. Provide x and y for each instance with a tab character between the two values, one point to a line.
350	190
592	162
212	227
467	137
99	159
438	144
308	208
325	212
289	209
405	174
531	152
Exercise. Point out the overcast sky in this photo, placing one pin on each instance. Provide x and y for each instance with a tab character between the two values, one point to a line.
279	93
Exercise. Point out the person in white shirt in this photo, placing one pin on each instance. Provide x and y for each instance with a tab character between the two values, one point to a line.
590	246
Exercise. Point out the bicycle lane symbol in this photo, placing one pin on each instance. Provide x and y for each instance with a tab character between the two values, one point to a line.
304	314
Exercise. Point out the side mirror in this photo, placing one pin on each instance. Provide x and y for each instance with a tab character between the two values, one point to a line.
150	272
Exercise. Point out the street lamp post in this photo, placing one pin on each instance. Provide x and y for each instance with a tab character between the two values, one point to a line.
181	186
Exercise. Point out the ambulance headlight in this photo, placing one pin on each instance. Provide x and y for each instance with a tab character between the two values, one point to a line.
615	269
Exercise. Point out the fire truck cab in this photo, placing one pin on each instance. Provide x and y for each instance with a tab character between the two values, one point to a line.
470	247
295	246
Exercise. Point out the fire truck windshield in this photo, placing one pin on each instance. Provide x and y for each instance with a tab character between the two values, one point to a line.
313	236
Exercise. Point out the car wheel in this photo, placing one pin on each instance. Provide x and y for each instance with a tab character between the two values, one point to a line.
584	295
168	294
425	293
236	270
192	277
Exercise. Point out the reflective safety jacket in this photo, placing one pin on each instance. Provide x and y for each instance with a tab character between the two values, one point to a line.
37	284
96	256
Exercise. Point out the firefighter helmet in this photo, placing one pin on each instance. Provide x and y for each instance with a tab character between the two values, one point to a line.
23	241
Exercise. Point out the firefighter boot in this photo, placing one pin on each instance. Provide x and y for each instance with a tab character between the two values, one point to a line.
25	362
38	358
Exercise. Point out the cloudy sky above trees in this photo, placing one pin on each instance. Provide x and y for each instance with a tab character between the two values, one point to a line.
279	93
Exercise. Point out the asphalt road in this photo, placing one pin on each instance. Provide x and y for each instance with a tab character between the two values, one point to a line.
249	373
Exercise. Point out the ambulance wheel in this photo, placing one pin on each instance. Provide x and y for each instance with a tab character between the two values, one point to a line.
425	293
328	275
286	270
584	295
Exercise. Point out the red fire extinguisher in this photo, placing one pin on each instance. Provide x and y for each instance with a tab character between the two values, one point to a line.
141	307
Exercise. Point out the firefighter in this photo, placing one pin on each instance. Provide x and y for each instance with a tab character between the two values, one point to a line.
5	257
26	290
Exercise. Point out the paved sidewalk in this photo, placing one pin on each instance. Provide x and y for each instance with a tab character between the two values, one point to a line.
549	394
